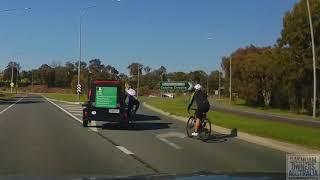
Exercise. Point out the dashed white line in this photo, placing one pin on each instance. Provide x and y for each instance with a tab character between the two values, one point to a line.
11	106
93	123
125	150
169	143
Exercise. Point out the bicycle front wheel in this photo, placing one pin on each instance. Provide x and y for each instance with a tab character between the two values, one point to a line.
190	126
205	130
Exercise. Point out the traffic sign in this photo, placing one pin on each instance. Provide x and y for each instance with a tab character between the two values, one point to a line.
12	84
186	86
79	88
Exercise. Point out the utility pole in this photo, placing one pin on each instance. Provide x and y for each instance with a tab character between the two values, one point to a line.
219	85
17	78
314	65
11	76
160	87
32	81
138	80
230	87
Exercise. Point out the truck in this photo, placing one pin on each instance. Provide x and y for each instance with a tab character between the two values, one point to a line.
105	103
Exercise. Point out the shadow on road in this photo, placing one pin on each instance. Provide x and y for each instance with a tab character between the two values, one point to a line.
141	123
219	137
142	117
134	127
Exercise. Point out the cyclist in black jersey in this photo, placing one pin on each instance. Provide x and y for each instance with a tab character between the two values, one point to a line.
202	103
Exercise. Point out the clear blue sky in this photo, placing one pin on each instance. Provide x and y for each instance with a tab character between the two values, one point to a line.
173	33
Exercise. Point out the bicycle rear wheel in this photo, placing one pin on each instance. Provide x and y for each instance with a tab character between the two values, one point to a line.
190	126
205	130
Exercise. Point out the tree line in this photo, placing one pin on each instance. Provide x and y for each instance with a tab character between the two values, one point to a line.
280	76
66	76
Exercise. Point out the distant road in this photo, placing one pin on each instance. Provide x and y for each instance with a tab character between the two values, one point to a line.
309	122
37	138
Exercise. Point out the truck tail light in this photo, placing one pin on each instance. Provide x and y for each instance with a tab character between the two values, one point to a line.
90	93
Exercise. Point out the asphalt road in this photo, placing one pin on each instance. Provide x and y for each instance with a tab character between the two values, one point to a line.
37	138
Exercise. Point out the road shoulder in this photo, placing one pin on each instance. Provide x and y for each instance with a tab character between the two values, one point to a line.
270	143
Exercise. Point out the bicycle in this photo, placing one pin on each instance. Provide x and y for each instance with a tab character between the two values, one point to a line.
204	130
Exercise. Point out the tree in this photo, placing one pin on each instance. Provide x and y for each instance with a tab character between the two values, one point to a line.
295	37
133	68
46	75
8	71
61	77
147	69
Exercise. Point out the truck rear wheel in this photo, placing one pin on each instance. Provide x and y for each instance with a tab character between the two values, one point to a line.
85	123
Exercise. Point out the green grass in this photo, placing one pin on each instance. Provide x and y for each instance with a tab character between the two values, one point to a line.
65	97
5	95
277	130
240	104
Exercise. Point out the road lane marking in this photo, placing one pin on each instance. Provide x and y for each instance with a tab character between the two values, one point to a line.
74	111
93	123
70	114
79	114
172	134
169	143
11	105
125	150
73	116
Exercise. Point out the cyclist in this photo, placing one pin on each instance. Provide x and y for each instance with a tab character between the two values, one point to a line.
203	106
130	97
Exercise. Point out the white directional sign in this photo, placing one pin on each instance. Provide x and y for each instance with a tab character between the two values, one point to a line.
12	84
79	88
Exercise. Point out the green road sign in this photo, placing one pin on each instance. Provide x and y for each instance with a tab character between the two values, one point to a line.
106	97
176	86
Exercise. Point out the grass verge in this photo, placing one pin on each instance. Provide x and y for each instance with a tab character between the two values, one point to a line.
65	97
240	104
305	136
5	95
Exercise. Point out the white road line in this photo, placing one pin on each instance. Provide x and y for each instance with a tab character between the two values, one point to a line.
71	105
93	123
11	105
80	114
70	114
75	107
74	110
125	150
73	116
169	143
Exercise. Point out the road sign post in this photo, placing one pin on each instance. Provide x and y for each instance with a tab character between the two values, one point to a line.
79	89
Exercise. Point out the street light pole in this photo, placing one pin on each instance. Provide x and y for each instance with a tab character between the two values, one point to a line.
80	54
230	87
9	10
80	45
314	65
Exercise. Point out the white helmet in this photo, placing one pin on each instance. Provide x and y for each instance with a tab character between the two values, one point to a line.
131	92
197	87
